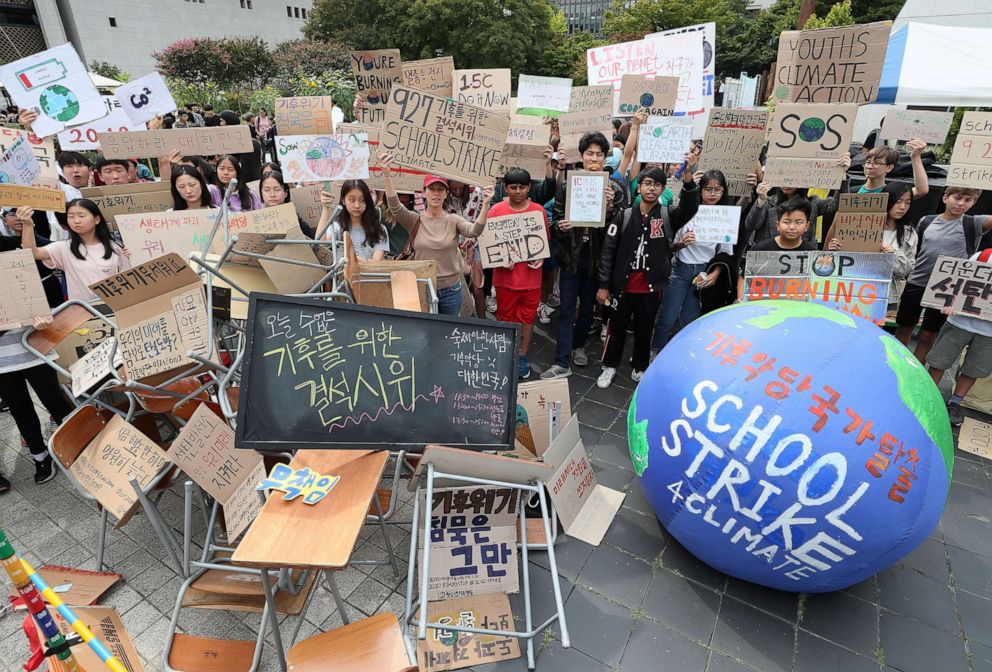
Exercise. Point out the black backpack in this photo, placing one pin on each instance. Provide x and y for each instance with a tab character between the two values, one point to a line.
666	226
967	222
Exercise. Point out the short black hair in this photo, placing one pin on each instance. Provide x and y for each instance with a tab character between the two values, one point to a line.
517	176
230	117
656	174
104	161
208	107
594	138
794	204
73	159
617	124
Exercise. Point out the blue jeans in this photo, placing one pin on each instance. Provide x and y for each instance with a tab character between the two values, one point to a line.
449	300
681	299
575	289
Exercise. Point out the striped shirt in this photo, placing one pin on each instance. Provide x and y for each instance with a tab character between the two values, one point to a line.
13	356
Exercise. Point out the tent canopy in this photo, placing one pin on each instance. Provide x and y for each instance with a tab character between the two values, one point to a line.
101	82
943	66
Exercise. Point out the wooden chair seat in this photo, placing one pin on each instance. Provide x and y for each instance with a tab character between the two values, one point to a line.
77	431
384	495
205	654
371	644
237	591
404	288
159	402
63	323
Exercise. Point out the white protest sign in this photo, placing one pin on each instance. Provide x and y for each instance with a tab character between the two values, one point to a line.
708	31
18	165
664	140
717	224
930	127
315	158
681	55
585	203
55	83
93	367
543	96
87	136
145	98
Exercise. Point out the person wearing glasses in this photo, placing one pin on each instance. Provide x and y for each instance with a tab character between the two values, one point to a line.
882	160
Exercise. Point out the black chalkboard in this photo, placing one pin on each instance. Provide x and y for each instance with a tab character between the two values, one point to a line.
318	374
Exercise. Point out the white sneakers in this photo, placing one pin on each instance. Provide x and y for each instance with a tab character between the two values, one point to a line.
636	376
579	357
606	377
544	313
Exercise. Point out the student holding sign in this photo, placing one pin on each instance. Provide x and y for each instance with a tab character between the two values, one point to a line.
90	255
434	232
360	219
275	192
882	160
636	265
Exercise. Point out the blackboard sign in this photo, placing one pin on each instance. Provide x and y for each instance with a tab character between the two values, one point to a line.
318	374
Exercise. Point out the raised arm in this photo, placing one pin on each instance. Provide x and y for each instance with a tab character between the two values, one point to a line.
404	217
28	242
474	230
921	185
630	147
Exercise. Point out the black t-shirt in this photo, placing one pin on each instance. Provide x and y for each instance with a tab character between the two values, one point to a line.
771	245
210	122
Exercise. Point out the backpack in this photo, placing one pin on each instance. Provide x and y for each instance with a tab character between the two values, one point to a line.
666	226
968	222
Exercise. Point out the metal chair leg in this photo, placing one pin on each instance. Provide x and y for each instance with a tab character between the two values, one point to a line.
101	539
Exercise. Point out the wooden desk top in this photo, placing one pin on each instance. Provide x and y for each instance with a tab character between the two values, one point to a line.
321	536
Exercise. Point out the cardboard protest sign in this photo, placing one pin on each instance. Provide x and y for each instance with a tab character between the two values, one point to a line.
321	158
732	144
39	198
696	105
930	127
118	453
520	237
975	437
82	340
75	587
489	89
591	99
205	450
433	75
187	141
656	96
962	284
664	139
543	96
585	203
851	282
22	297
161	316
18	164
94	367
87	136
375	74
525	145
533	399
304	115
586	508
573	125
130	199
717	224
859	221
105	623
831	65
145	98
55	83
806	143
452	650
971	160
406	180
290	278
151	235
306	202
608	64
43	150
473	542
458	141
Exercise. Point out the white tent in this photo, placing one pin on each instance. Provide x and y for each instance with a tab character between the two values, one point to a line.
945	66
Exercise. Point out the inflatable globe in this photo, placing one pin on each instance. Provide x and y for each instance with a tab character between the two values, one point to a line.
791	445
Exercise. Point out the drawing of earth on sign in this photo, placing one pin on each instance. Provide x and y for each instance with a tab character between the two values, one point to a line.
5	178
59	103
326	156
647	100
812	129
791	445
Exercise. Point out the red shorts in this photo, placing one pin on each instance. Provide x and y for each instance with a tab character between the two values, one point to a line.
517	305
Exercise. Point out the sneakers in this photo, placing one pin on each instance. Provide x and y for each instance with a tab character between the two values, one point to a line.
636	376
523	369
606	377
544	313
554	301
4	484
491	304
556	372
44	471
955	413
579	357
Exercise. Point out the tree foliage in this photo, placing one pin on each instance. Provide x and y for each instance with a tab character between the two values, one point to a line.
839	15
229	62
109	70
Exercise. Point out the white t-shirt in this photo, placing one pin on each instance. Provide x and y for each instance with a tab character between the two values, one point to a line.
81	273
362	249
698	253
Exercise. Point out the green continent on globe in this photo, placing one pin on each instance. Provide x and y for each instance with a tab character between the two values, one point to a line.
812	129
59	103
928	407
637	437
777	312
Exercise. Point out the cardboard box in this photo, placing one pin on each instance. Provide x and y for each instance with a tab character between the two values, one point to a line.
75	587
130	199
106	624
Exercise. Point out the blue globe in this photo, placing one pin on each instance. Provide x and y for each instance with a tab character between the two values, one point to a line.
791	445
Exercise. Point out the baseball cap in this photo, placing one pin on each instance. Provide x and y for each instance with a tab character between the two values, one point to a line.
434	179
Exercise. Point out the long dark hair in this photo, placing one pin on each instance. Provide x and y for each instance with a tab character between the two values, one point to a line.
277	176
178	202
719	178
895	190
243	192
102	231
780	198
370	218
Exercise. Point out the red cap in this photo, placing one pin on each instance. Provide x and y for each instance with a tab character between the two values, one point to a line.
434	179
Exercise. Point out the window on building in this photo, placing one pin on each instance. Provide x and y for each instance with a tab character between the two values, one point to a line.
304	13
113	22
296	12
249	4
289	11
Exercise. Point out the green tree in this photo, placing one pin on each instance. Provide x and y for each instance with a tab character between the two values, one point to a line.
355	24
311	57
109	70
247	63
650	16
839	15
566	55
866	11
193	59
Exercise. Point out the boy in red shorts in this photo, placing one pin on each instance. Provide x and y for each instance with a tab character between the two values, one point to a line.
518	286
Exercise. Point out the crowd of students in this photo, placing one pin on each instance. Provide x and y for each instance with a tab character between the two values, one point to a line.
643	271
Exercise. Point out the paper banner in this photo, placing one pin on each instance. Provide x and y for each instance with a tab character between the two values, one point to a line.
55	83
145	98
717	224
375	74
321	158
698	108
488	89
664	140
304	115
187	141
930	127
39	198
87	136
520	237
18	164
43	150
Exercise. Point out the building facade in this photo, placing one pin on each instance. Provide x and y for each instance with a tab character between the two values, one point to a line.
584	15
126	33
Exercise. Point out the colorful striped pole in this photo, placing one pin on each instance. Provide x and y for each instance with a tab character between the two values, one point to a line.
29	584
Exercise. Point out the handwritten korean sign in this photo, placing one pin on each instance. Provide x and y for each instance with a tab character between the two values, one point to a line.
22	297
453	650
859	221
304	115
962	284
187	141
732	144
433	75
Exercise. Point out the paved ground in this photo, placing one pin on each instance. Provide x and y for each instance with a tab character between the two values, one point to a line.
638	602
